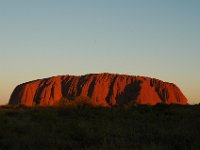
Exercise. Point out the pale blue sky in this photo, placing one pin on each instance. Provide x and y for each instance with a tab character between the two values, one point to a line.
156	38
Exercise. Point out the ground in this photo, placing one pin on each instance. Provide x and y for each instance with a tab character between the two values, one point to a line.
160	127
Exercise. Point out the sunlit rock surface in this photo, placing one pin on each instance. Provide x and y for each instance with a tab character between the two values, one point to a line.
102	89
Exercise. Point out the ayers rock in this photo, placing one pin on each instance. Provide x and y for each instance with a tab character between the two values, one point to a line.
102	89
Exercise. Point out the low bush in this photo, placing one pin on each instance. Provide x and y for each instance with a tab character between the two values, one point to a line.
74	103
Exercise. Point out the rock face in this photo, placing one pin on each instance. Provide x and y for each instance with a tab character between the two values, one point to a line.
102	89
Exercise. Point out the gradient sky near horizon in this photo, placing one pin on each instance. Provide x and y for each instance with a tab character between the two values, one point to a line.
156	38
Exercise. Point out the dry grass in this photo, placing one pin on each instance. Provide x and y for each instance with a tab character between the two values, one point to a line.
162	127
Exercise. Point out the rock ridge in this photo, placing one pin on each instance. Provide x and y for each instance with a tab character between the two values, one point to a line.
102	89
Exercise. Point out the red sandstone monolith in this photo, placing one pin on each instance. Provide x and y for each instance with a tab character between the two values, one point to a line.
102	89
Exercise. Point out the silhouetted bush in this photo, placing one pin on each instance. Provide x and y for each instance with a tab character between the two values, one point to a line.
74	103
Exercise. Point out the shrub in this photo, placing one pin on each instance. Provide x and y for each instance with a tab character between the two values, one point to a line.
75	103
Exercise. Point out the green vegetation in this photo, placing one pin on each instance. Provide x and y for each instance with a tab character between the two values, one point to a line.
161	127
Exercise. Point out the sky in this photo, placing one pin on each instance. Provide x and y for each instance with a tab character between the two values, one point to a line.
155	38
